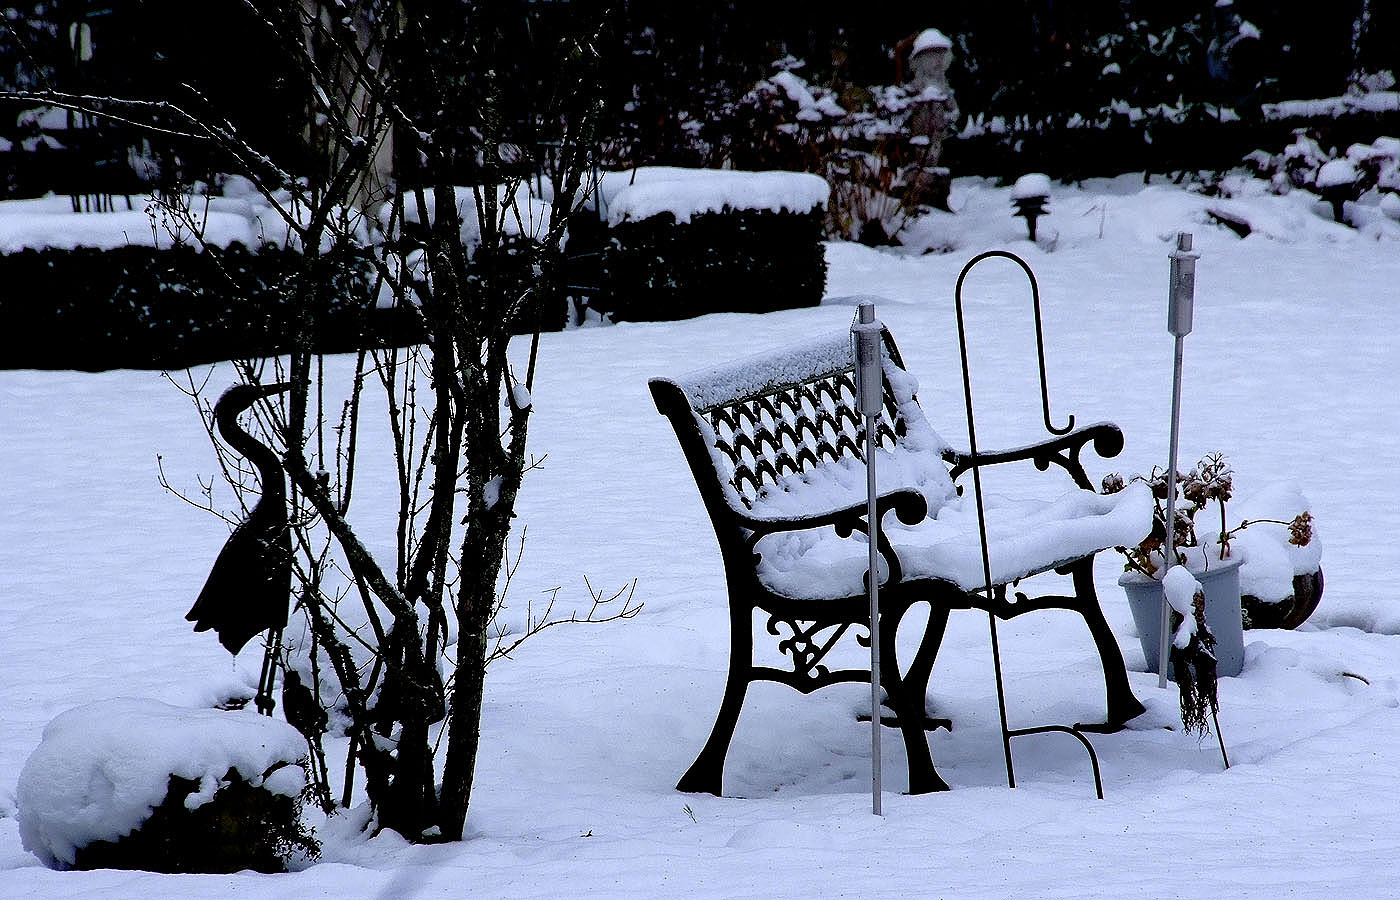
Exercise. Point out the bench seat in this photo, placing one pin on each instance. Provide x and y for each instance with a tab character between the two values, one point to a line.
1025	536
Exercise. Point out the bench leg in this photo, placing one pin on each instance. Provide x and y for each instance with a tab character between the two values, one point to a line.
909	694
706	774
1123	705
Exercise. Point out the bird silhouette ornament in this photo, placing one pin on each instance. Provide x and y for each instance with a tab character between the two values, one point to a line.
249	589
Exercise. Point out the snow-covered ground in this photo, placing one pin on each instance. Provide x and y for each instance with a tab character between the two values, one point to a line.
1293	370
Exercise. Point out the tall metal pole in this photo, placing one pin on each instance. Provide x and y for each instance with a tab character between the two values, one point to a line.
866	332
1180	303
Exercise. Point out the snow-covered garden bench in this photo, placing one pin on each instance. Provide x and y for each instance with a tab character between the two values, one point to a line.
775	445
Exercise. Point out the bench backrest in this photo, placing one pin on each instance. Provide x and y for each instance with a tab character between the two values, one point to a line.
748	426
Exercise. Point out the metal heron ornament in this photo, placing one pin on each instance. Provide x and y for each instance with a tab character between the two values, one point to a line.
249	588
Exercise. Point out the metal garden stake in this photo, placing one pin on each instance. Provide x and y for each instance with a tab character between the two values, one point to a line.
865	331
1180	302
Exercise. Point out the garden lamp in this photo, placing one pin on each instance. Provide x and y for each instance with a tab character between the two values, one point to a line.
1181	298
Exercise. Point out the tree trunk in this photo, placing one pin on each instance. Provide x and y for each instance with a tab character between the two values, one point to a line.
476	601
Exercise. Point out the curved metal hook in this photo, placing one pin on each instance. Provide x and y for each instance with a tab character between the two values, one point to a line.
1039	333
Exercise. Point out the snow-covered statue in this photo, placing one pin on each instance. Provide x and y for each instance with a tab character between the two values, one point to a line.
933	113
934	110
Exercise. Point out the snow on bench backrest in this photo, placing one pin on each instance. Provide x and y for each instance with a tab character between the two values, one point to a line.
786	436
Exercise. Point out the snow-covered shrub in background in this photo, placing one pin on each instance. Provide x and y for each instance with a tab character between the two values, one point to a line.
864	141
137	784
1367	173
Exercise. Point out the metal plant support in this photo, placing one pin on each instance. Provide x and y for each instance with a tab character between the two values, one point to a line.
865	332
1008	733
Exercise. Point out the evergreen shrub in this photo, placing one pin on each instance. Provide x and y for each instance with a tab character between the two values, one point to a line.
240	827
751	261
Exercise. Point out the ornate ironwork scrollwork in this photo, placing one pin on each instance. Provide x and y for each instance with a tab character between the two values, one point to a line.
807	646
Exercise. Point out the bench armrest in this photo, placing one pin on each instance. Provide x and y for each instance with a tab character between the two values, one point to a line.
909	506
1063	451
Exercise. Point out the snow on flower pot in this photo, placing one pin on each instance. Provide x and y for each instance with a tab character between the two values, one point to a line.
1288	612
1281	581
1221	582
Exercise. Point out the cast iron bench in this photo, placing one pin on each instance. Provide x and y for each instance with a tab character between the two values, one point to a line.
775	445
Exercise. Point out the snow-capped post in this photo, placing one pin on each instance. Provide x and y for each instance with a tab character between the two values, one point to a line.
865	332
1030	195
1181	300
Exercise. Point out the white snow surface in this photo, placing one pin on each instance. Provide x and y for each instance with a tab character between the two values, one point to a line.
1336	172
102	767
767	370
1347	104
1290	370
700	191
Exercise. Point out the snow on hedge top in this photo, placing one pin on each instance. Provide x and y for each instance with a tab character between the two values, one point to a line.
49	222
689	192
241	216
100	769
810	108
1347	104
518	213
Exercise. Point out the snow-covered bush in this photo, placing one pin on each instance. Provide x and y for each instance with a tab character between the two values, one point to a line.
1338	177
136	784
869	144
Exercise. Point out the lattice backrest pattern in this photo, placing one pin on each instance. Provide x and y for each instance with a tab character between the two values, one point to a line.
794	428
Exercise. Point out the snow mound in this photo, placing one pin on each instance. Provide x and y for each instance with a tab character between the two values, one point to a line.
101	769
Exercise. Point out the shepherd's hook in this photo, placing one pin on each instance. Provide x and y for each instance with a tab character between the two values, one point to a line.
1039	332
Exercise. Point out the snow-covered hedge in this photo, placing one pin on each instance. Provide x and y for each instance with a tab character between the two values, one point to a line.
138	784
684	243
140	307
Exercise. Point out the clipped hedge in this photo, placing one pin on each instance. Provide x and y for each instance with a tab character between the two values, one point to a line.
1200	143
138	307
749	261
142	308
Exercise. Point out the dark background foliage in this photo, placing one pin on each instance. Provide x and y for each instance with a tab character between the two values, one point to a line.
675	71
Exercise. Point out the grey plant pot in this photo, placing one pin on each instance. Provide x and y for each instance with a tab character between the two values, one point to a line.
1222	587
